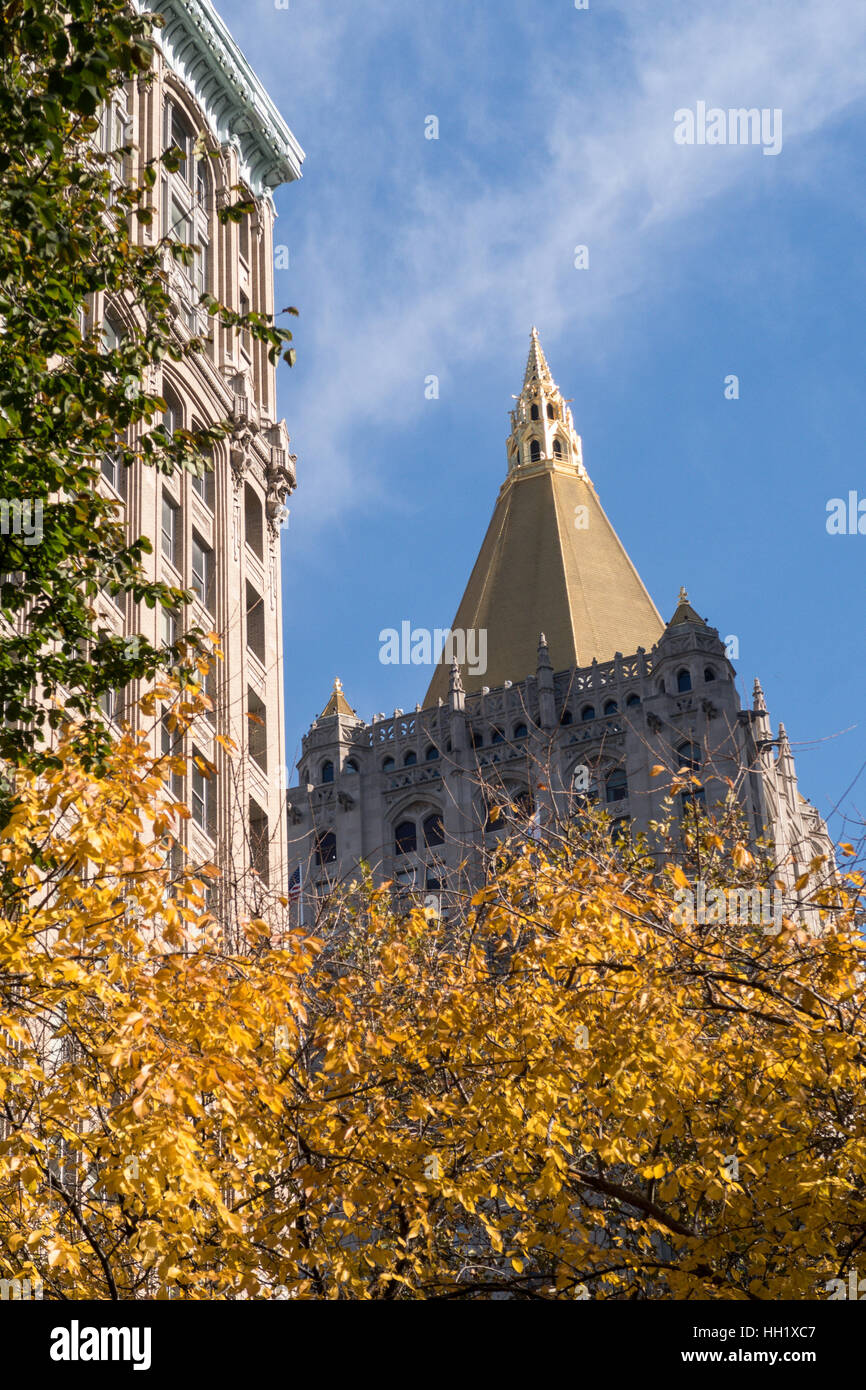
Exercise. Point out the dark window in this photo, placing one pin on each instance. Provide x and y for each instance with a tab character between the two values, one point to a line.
632	701
616	786
684	681
534	451
619	829
410	759
689	756
203	483
693	798
610	707
255	623
253	524
497	736
520	731
327	772
476	739
709	674
431	755
259	840
203	795
523	804
434	831
557	449
388	765
587	713
350	766
405	837
533	411
566	717
550	414
258	729
202	570
326	848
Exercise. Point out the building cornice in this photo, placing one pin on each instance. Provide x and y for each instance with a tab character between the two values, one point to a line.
199	48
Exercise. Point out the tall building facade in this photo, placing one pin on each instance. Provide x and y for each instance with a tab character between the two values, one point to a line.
584	692
217	535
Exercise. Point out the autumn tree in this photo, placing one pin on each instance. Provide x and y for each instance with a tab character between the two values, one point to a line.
567	1088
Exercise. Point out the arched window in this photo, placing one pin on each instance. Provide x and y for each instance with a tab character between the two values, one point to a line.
434	831
497	736
388	765
410	759
610	707
327	772
550	412
684	681
587	713
520	731
533	411
534	451
432	754
616	785
557	448
350	765
566	717
406	837
524	805
632	701
709	673
326	848
689	756
476	738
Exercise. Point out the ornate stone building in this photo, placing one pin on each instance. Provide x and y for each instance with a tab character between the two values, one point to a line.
589	709
218	535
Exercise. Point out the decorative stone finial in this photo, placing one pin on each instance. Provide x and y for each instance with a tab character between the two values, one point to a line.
684	597
758	703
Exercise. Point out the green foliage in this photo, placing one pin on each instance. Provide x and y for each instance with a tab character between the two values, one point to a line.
69	220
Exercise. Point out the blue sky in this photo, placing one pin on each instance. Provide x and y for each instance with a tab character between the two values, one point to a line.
411	257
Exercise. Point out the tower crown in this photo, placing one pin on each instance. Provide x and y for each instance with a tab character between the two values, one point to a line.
542	428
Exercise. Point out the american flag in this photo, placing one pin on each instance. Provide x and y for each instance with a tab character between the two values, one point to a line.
295	885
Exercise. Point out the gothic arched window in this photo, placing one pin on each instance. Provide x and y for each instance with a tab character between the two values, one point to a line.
520	731
326	848
533	411
327	771
388	765
497	736
432	754
565	717
550	412
684	681
350	765
434	831
405	837
410	759
534	451
709	674
588	712
632	701
689	756
557	448
610	707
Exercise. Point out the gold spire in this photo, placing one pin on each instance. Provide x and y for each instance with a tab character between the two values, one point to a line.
551	561
684	612
337	704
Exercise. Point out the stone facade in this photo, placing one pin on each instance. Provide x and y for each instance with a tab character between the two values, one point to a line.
410	794
219	535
